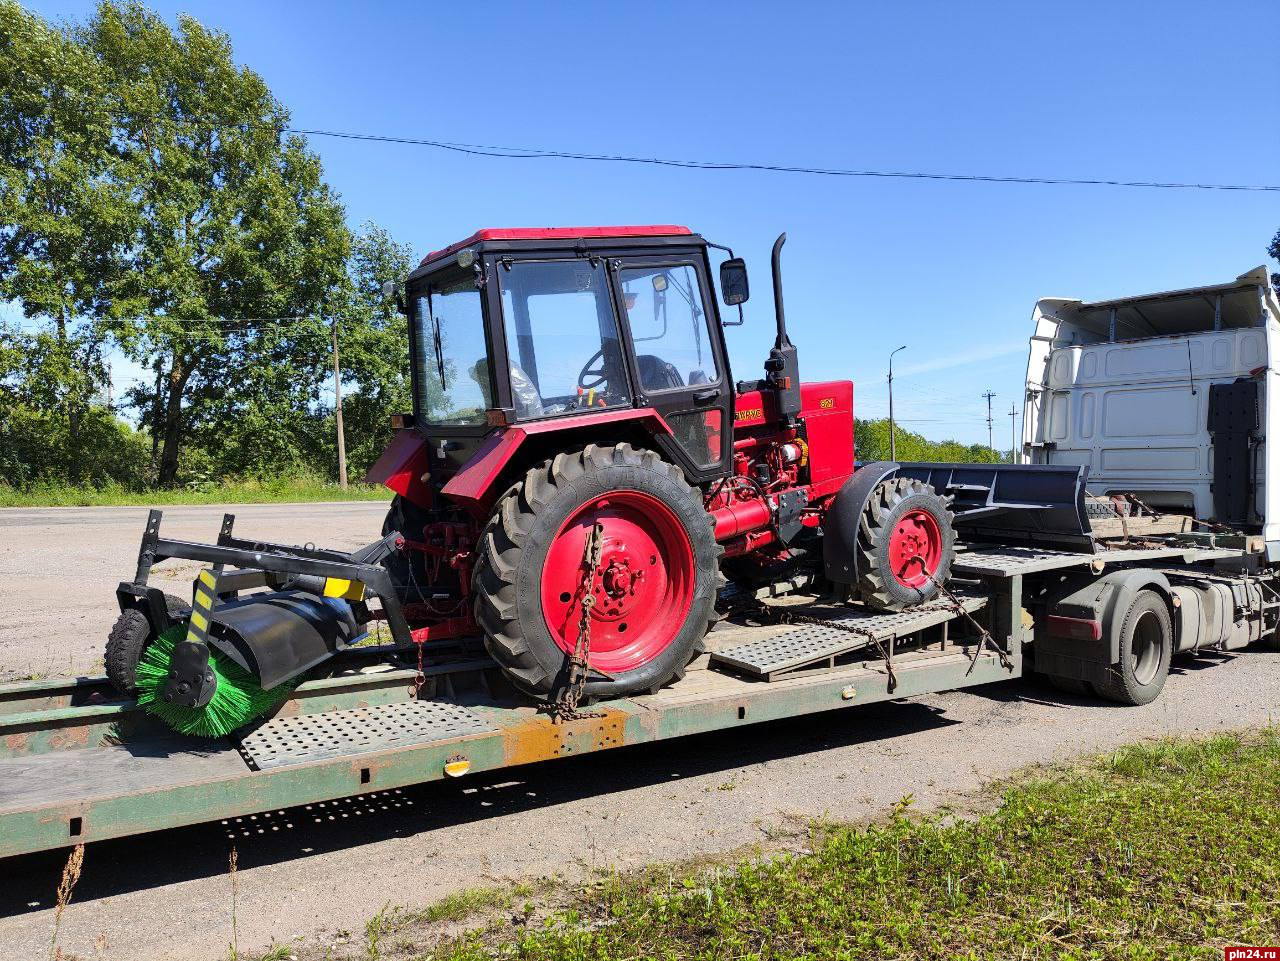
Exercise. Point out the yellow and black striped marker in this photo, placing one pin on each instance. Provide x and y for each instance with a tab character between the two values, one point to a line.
206	596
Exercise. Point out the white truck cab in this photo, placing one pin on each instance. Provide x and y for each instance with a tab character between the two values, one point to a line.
1164	396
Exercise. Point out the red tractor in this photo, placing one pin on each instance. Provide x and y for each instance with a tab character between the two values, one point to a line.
580	474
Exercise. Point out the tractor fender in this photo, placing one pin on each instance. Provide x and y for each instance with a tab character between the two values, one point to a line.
482	479
1102	599
840	525
403	467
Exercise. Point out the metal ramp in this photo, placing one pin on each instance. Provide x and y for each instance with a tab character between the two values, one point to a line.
283	741
812	648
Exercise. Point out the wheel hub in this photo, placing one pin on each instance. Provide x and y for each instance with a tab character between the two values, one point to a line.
618	584
915	548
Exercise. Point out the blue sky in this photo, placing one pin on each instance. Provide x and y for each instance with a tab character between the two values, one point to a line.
1171	91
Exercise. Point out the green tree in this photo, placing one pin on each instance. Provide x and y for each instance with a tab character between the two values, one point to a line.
373	344
234	226
65	214
871	443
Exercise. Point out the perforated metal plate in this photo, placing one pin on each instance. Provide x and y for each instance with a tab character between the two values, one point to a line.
817	646
319	737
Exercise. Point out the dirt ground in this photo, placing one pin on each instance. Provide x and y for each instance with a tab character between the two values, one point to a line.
320	873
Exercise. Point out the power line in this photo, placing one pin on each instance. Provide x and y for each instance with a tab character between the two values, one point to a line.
536	153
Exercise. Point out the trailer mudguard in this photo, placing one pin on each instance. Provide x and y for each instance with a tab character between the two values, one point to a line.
1104	600
840	526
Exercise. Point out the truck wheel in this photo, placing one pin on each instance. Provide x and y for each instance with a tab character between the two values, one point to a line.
655	584
129	637
1146	646
905	544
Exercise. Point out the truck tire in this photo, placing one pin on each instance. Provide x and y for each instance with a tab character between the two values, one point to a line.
1146	647
905	544
129	637
655	586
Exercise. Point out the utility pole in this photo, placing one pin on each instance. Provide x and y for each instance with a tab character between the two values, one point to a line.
893	446
1013	433
990	437
337	410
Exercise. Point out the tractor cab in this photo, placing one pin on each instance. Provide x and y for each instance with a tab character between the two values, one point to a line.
540	328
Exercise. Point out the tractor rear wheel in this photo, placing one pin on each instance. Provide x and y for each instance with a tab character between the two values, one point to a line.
905	544
654	587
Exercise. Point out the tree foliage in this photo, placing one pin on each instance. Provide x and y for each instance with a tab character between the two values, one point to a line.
871	442
151	200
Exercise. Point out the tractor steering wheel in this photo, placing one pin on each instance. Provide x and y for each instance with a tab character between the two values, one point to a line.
597	376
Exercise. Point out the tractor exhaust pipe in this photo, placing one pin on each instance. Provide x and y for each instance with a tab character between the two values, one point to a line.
779	311
782	369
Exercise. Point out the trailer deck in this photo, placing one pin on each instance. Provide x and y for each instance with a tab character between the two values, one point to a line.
78	763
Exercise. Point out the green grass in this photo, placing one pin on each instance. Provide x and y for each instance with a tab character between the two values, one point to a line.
284	490
1159	850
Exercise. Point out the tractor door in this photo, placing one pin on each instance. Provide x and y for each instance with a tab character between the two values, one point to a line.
676	354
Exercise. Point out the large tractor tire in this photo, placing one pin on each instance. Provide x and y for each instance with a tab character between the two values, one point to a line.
655	584
905	544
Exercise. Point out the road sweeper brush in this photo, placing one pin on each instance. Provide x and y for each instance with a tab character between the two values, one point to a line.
261	616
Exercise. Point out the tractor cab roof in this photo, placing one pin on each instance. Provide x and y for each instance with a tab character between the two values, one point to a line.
502	238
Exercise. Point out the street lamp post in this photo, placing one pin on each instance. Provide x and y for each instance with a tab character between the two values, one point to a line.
893	447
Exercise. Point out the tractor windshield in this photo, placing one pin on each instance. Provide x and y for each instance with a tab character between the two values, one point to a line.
562	337
452	379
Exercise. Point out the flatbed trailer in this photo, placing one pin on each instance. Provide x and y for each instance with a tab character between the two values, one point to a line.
78	763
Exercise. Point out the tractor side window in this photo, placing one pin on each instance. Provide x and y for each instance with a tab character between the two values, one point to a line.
562	337
669	327
452	380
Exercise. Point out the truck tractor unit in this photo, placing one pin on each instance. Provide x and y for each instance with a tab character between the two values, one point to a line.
599	538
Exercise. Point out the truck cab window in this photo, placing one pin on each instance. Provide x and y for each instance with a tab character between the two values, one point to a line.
669	326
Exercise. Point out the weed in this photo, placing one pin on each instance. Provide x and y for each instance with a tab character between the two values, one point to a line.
233	863
70	875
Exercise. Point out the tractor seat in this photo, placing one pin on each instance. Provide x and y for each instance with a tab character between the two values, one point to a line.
656	373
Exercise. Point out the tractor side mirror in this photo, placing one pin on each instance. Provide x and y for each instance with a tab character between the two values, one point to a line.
734	289
394	291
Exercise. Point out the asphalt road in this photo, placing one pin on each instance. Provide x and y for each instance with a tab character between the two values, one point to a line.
59	567
319	872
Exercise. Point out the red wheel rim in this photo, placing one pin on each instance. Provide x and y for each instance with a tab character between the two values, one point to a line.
915	548
644	583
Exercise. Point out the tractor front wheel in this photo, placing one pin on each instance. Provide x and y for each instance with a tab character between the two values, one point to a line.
905	544
652	587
